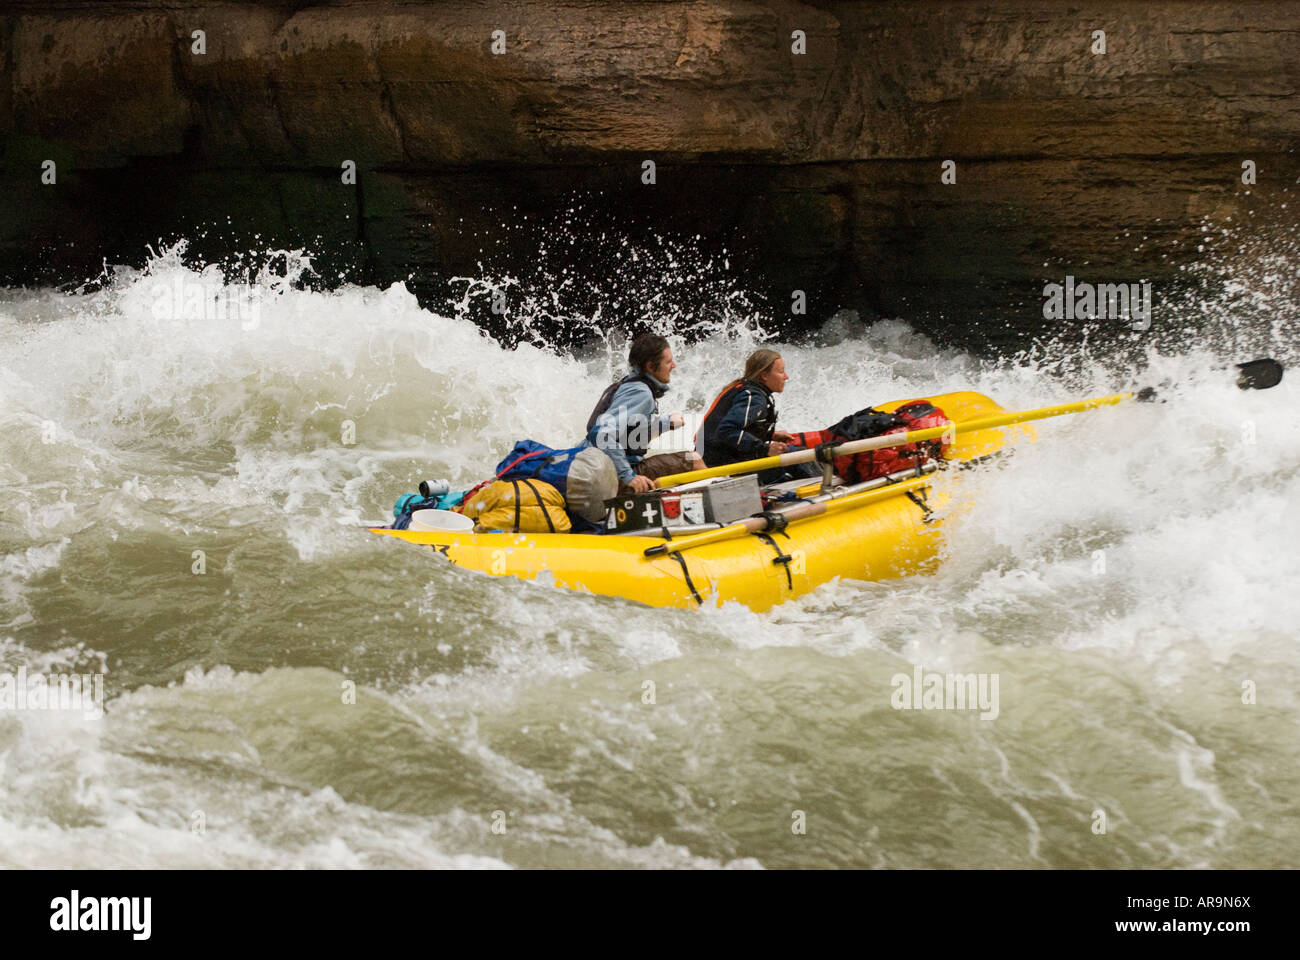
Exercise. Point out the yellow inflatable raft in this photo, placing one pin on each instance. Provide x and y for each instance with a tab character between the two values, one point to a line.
892	534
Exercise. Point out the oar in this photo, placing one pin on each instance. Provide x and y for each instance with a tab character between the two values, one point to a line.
768	521
891	440
1255	375
1259	374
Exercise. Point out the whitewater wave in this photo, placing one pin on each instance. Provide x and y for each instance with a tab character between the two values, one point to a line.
183	495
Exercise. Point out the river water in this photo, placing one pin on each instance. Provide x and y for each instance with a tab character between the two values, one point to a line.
182	501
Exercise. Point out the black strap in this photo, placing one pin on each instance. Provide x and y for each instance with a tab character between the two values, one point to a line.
607	398
541	503
687	573
602	404
781	557
919	499
824	454
776	522
515	484
918	460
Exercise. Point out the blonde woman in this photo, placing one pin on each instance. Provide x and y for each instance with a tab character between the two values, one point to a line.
741	422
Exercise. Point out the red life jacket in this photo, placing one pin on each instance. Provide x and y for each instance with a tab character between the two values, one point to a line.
705	422
859	467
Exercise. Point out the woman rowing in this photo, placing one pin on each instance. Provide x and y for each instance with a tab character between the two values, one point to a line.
741	423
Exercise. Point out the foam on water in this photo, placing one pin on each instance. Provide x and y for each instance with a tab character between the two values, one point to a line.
1124	575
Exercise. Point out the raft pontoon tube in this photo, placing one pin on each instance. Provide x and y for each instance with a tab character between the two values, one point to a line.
880	529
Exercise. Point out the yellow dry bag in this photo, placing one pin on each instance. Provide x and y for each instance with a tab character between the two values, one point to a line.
518	506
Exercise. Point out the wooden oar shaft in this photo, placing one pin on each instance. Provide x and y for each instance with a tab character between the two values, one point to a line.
893	440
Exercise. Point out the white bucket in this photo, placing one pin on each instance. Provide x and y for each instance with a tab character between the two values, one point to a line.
440	520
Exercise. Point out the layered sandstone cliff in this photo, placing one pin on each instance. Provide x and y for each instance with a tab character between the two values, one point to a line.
818	171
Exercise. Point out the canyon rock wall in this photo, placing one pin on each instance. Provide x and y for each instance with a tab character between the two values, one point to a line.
818	171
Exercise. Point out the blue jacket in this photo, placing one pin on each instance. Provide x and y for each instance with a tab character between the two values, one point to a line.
625	429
